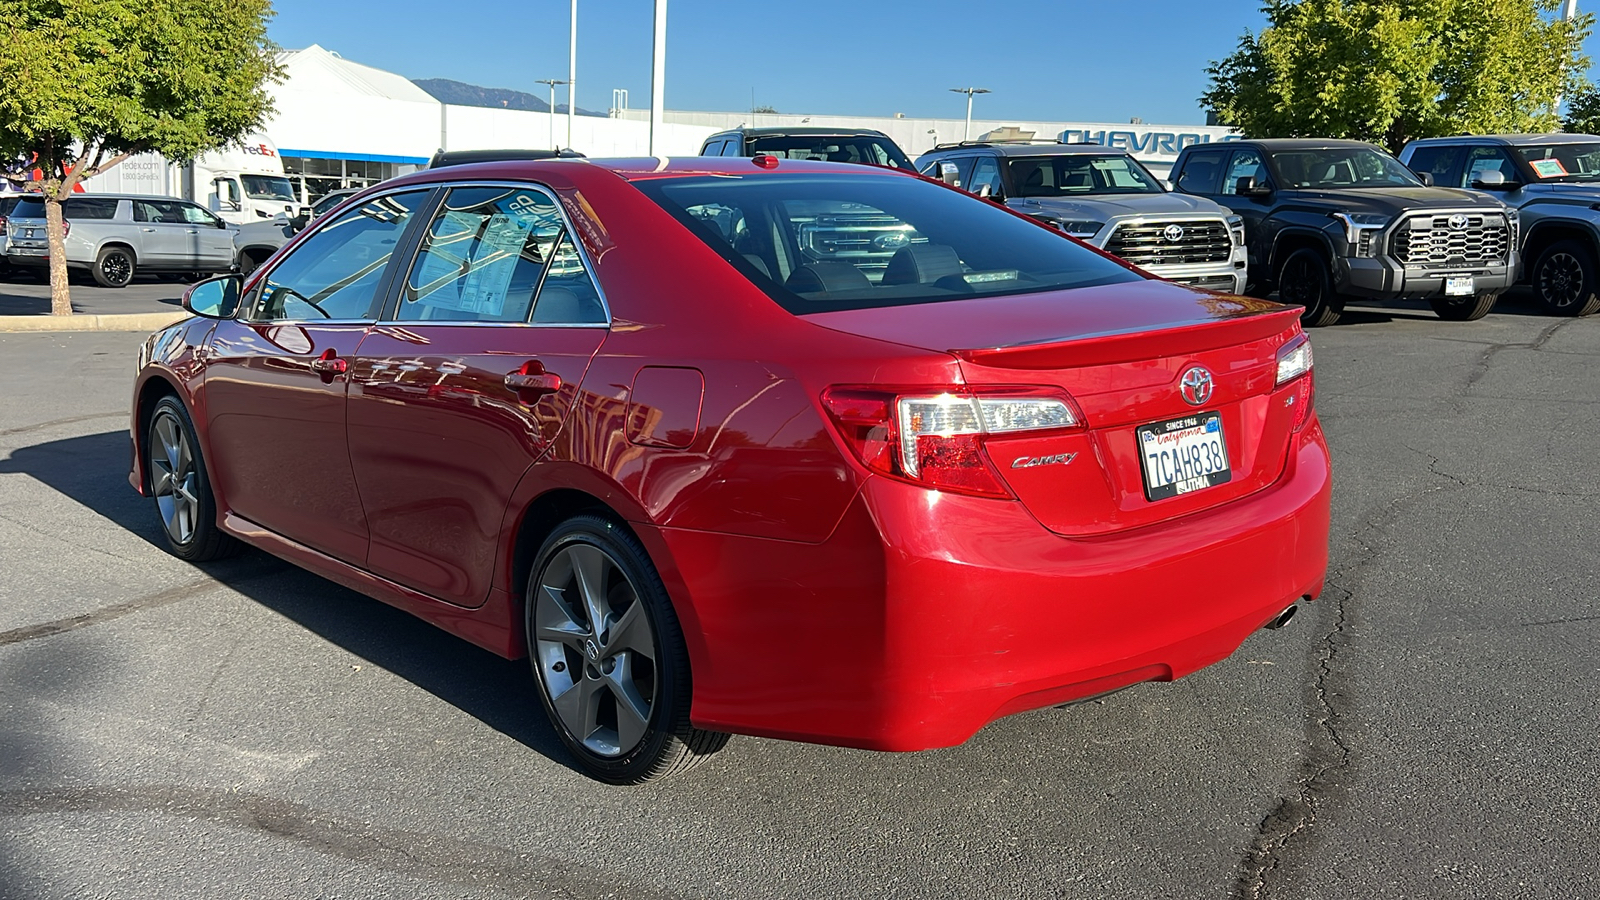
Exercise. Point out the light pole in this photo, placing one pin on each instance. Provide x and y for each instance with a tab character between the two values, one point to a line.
1569	11
966	134
572	74
552	82
658	79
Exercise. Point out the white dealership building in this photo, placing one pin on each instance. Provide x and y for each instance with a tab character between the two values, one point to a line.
337	123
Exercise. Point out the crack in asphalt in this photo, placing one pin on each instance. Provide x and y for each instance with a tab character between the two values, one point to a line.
1482	367
51	424
260	569
420	855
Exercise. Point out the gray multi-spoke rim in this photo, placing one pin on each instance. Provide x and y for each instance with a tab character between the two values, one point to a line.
1561	279
596	650
118	268
174	480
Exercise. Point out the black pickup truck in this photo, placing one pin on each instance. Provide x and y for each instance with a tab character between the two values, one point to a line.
1328	219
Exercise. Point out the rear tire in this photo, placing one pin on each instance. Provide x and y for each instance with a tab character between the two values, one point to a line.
180	486
1304	280
608	655
1464	309
1564	279
113	268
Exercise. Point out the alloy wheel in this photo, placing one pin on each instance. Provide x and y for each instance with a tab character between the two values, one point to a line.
118	268
1560	280
596	650
1297	284
174	477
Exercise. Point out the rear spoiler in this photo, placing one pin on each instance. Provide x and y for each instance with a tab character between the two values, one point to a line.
1147	342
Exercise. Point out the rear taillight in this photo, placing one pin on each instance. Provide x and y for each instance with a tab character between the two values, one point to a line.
2	226
66	228
936	439
1295	365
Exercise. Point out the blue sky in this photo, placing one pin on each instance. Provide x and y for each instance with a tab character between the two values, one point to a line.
1062	60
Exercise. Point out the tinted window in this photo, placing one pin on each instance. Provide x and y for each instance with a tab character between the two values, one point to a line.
323	206
74	208
712	148
482	257
1438	162
1055	176
29	208
866	149
171	212
1487	159
821	242
986	171
1338	167
1563	162
1245	164
335	272
1202	174
568	295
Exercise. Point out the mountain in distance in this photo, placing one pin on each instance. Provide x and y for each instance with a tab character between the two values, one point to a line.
458	93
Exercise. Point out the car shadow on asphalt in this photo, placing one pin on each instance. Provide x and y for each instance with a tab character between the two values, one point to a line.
92	470
1515	302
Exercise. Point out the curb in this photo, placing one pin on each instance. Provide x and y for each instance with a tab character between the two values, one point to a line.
80	322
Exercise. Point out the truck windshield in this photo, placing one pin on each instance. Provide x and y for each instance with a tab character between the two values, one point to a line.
1564	162
861	149
1062	176
1342	167
268	187
816	243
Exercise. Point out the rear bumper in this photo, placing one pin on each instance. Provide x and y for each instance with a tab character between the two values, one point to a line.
928	615
1386	279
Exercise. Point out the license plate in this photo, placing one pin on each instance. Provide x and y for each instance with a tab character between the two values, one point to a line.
1183	455
1458	286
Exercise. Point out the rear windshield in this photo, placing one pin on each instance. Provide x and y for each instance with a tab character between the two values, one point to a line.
818	242
867	149
75	208
1067	176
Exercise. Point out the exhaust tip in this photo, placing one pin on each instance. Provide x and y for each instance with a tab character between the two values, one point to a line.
1281	619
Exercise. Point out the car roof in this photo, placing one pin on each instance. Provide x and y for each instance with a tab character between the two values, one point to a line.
1030	148
1275	144
94	196
637	169
1512	140
801	131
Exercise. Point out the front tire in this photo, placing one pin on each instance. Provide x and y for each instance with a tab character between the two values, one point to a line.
1469	308
1564	279
180	487
609	658
1304	280
113	268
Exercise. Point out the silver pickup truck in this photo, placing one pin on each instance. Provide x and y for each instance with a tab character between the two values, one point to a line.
1103	197
115	235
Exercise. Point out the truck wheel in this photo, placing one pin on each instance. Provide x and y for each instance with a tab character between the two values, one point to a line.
1304	280
113	268
1564	279
1465	309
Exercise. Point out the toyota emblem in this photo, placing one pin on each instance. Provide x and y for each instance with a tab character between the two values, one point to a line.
1173	233
1458	221
1195	386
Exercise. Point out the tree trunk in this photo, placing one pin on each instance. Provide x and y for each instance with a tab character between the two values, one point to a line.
60	296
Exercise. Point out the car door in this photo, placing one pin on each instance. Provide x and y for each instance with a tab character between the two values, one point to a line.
460	389
163	236
210	239
275	378
1254	209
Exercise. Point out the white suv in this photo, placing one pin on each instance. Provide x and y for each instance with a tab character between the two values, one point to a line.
115	235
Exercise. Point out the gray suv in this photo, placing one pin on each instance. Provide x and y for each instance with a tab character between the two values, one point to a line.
1103	197
1553	181
115	235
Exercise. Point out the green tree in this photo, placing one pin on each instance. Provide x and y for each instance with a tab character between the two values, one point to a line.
1389	71
1583	113
88	83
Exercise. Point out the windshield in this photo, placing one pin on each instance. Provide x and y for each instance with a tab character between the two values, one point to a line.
1066	176
817	243
268	187
1564	162
863	149
1342	167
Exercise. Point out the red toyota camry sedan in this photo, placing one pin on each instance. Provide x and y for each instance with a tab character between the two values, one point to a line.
809	451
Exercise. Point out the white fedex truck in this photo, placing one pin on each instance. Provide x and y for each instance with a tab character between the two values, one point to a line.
243	183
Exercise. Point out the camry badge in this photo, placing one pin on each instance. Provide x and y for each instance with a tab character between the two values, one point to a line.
1458	221
1028	462
1195	386
1173	233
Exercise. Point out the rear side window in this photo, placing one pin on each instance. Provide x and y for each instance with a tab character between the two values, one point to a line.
713	148
822	242
336	271
1201	174
89	208
482	257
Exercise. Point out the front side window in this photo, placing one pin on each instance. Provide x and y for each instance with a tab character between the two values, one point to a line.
194	215
986	171
1563	162
1487	159
335	272
158	212
482	257
1342	167
822	242
1056	176
1245	164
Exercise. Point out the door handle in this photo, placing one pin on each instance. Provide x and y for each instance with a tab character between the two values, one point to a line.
193	231
151	230
532	382
329	366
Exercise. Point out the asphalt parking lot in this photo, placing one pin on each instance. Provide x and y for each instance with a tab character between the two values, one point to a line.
25	295
1429	728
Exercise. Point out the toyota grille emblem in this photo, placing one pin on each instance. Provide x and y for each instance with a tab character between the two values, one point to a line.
1195	386
1173	233
1458	221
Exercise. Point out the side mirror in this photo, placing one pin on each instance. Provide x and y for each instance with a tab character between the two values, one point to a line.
1247	187
1492	180
222	223
298	223
949	174
1426	178
215	298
